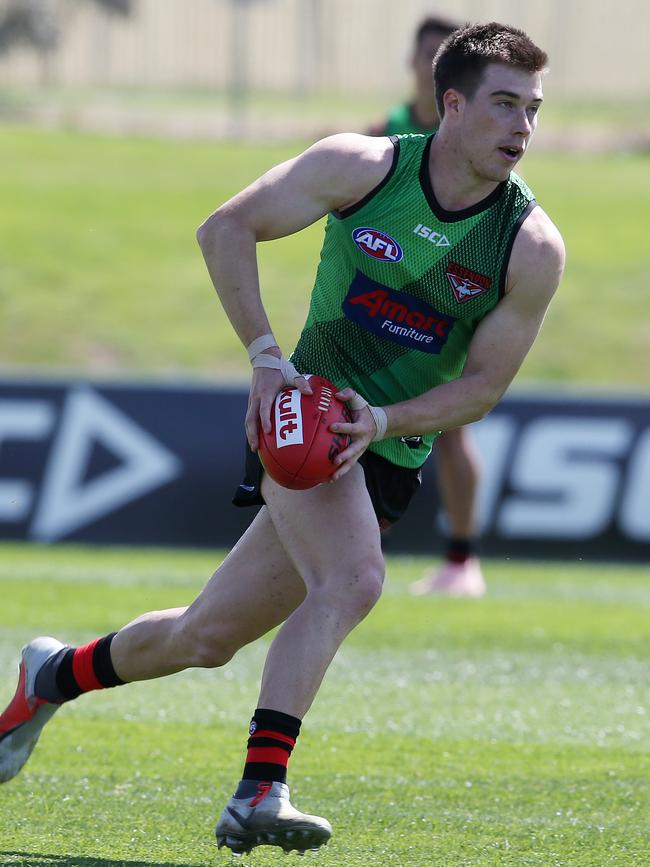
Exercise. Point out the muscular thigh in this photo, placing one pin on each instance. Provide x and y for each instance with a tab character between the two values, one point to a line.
326	531
299	539
256	587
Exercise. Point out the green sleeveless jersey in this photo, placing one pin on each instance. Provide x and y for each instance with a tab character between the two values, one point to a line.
401	120
402	285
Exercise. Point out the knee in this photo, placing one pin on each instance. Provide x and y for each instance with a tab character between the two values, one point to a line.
370	583
359	590
206	645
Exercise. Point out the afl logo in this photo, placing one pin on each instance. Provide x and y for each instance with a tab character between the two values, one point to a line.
377	244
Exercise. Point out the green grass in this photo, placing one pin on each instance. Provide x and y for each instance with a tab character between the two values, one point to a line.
509	731
100	271
324	109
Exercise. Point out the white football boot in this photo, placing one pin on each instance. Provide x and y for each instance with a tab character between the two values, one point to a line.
23	719
265	816
453	579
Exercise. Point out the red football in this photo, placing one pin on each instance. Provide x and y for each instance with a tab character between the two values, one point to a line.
300	450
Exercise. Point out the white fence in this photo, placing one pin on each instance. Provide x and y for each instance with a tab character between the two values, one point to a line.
350	46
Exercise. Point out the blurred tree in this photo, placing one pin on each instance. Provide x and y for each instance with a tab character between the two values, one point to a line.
30	22
39	23
122	6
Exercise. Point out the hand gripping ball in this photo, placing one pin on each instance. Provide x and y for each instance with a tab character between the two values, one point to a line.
299	451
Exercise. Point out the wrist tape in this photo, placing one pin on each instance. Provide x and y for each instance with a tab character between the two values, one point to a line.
266	341
286	368
377	412
259	358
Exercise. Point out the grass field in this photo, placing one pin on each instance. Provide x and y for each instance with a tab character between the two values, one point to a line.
510	731
99	269
324	110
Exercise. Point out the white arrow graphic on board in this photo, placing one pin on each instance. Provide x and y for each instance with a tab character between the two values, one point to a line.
67	503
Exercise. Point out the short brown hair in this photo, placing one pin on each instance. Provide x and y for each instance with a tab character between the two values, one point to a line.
461	59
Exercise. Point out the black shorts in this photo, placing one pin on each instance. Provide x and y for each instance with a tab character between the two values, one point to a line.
390	487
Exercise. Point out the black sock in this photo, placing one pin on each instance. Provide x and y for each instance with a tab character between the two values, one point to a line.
73	670
272	738
460	549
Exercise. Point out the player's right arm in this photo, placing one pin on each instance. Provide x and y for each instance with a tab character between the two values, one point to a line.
332	174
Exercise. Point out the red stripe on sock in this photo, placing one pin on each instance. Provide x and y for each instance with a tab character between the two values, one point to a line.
268	755
277	736
83	669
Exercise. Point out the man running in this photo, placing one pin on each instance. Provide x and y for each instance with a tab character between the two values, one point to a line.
435	275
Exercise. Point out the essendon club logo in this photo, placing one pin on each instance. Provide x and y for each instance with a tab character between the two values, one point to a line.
377	244
466	284
396	316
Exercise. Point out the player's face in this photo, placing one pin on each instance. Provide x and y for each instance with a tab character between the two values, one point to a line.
499	120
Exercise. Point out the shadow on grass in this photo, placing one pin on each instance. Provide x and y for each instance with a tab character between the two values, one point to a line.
38	859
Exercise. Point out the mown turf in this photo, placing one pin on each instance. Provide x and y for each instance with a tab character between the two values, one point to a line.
508	731
100	271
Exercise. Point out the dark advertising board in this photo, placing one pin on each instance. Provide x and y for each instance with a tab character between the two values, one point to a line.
564	476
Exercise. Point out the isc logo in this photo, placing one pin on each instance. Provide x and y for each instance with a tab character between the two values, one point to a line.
435	237
288	418
377	244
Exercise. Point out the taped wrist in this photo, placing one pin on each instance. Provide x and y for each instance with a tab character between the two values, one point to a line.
286	368
265	341
259	358
377	412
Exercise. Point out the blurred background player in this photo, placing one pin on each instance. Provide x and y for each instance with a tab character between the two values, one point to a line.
420	114
457	461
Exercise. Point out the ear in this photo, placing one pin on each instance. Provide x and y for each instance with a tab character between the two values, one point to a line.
453	101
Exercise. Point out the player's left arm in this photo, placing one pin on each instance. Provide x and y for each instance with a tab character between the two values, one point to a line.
497	351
